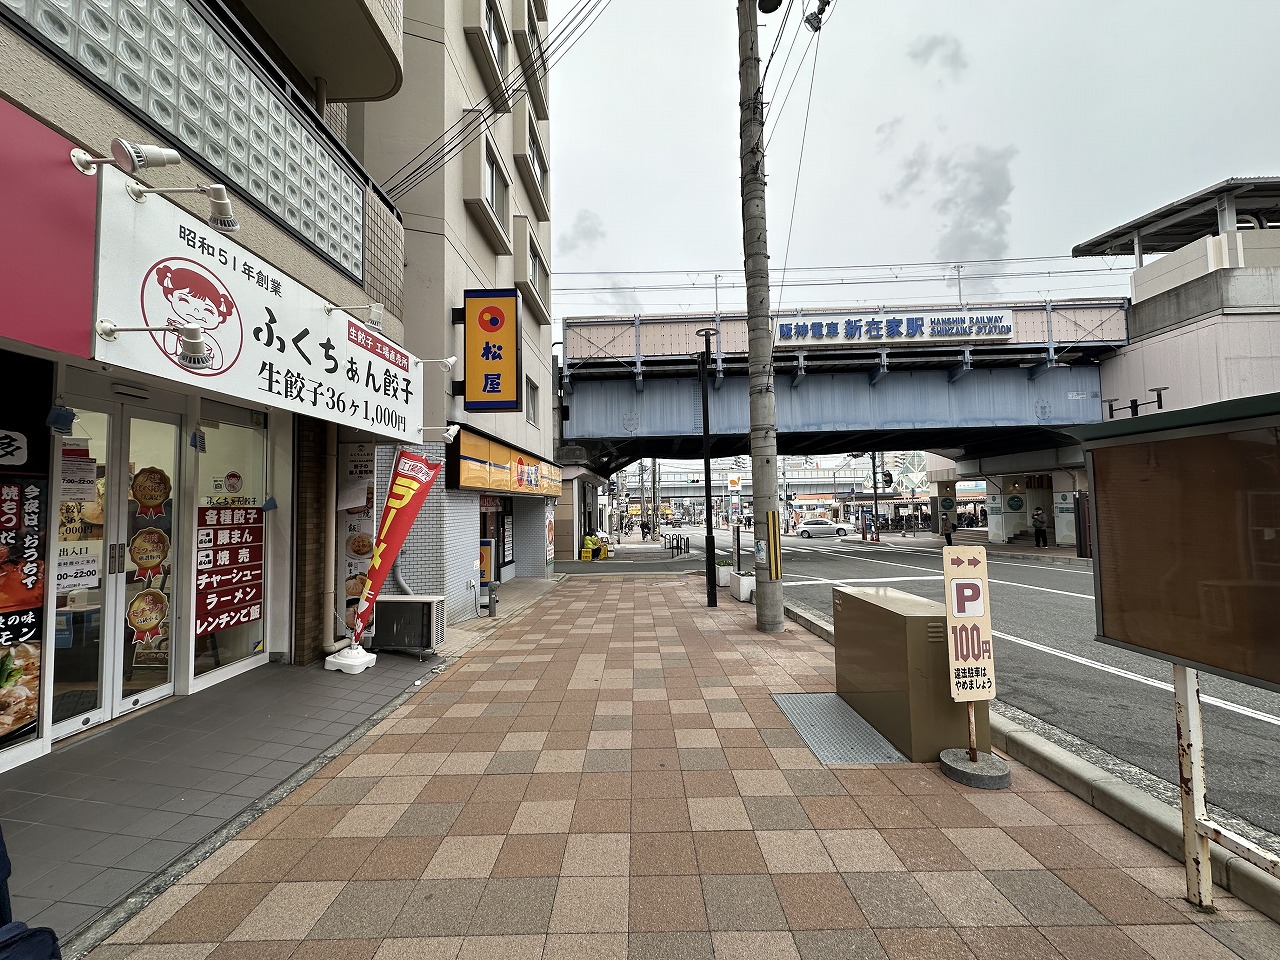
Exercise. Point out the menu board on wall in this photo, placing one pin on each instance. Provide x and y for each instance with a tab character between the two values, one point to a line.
357	526
229	568
24	520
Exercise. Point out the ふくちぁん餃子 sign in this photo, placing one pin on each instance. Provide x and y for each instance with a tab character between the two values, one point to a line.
492	350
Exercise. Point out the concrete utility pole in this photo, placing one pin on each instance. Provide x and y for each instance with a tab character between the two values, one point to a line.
755	250
654	501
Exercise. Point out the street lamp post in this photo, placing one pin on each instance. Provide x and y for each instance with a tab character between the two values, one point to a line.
704	363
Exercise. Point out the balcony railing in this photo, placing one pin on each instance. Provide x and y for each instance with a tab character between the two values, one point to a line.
219	99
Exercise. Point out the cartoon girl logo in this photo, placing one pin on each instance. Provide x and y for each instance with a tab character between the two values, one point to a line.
198	327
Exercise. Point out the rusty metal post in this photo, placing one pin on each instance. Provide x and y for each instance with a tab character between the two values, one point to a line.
1186	699
973	735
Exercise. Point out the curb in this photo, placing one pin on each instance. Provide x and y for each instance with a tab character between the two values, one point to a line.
995	553
1154	821
1146	816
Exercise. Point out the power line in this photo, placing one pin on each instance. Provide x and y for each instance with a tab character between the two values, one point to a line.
795	196
851	266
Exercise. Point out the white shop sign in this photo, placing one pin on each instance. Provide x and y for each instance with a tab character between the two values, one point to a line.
268	337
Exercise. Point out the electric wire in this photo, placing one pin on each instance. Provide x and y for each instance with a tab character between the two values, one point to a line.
795	195
468	128
469	116
777	40
849	266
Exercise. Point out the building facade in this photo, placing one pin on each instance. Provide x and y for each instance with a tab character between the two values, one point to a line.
188	365
463	149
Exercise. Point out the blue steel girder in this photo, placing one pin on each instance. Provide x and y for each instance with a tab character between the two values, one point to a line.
901	400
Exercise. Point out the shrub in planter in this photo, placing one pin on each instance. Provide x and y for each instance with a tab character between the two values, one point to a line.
723	569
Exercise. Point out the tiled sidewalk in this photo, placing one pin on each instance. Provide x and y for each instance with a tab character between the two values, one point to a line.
607	776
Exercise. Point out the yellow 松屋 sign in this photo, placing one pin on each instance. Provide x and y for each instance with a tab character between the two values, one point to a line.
492	348
972	668
485	464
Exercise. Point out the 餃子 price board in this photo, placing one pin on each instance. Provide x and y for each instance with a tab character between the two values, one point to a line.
973	672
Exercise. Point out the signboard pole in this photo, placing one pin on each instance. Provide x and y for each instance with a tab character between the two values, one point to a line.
973	734
1195	846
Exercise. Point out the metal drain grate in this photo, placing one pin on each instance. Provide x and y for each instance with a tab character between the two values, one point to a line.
834	731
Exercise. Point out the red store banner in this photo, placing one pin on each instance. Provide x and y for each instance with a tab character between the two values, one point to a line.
411	481
229	568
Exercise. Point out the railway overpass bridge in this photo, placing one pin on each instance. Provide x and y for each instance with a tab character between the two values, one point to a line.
985	380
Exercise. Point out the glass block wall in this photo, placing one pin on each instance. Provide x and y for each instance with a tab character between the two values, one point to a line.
163	57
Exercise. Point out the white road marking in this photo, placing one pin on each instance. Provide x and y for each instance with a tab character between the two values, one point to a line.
851	580
920	551
1139	678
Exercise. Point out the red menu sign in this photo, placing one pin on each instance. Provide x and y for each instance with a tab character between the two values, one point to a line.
229	568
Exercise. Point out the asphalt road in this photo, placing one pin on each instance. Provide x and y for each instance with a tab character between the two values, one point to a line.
1049	665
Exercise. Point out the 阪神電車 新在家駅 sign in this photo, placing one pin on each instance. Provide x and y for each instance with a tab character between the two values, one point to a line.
882	328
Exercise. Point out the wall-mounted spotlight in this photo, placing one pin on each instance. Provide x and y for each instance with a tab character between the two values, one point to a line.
443	434
193	352
446	363
376	313
221	217
129	157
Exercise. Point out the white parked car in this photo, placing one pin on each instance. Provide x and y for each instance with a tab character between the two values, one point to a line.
820	527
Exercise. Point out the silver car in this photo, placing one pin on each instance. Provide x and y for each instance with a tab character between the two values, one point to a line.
820	527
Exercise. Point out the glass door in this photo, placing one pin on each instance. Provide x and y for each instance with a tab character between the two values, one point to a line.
117	563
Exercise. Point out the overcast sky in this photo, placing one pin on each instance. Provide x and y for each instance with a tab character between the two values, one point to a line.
939	131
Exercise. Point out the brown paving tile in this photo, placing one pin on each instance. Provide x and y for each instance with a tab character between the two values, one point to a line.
659	816
1057	848
531	855
817	901
338	950
1093	943
267	860
1008	943
702	758
754	945
211	915
729	852
794	851
667	758
511	906
669	946
425	821
1179	943
742	903
859	851
923	945
1007	809
605	786
500	788
1119	897
1044	899
827	944
398	858
308	821
893	900
275	950
567	740
709	783
646	739
834	813
926	850
950	810
657	784
919	780
967	899
663	854
776	813
989	848
585	946
484	819
449	789
553	786
750	758
438	908
888	811
288	911
591	905
667	904
543	816
1065	808
601	816
744	738
335	858
814	783
1119	845
866	782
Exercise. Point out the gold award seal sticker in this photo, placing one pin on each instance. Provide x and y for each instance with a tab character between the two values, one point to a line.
149	549
146	612
150	489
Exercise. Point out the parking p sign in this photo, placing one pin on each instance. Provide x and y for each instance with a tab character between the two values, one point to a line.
973	673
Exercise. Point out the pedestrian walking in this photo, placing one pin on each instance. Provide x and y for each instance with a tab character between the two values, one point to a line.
1040	523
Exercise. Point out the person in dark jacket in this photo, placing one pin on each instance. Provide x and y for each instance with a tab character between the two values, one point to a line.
1040	523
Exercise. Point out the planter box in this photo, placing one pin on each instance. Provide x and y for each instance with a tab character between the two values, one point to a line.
743	586
722	575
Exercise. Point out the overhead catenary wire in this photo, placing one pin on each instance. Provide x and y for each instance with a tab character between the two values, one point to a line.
795	195
1044	258
568	32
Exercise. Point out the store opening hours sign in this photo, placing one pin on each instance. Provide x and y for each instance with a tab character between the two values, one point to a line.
266	338
972	666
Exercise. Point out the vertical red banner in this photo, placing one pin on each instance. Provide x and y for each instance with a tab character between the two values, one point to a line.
411	481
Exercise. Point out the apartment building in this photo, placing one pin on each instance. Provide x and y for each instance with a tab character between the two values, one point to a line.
464	150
